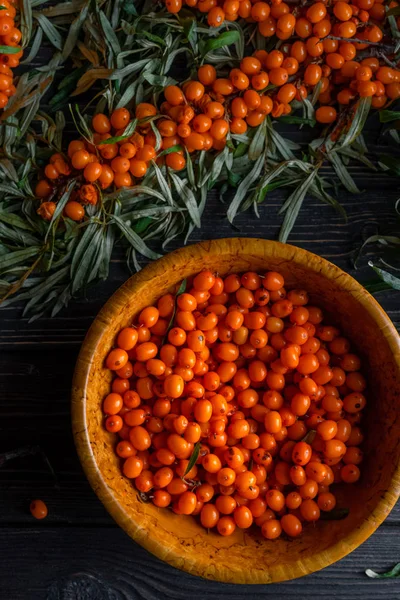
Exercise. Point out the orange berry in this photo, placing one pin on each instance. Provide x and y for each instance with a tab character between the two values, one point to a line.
215	17
92	171
74	210
325	114
137	167
101	123
260	11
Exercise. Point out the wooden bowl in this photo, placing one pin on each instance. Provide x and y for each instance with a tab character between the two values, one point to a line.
246	557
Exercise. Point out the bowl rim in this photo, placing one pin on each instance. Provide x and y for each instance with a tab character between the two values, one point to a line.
82	440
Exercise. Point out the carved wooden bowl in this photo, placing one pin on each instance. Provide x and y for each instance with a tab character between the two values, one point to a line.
246	557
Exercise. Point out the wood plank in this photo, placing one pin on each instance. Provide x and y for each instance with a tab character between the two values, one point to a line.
93	564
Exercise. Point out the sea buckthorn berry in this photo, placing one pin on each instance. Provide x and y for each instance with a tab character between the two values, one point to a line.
260	11
207	74
37	507
342	11
326	114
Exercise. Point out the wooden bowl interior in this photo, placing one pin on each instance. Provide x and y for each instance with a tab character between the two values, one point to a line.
246	556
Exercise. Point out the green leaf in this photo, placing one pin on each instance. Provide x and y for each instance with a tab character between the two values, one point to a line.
188	198
257	144
110	35
170	150
294	204
212	174
9	50
337	514
357	123
241	150
342	173
316	93
190	170
15	220
127	133
141	225
163	183
49	30
61	204
134	239
392	163
281	144
193	458
74	30
297	121
225	39
388	278
386	116
244	186
17	257
157	136
26	23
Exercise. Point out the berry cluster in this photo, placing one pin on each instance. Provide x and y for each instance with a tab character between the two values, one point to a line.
246	410
9	36
104	161
317	46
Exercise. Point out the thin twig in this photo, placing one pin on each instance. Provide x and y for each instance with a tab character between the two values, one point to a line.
389	47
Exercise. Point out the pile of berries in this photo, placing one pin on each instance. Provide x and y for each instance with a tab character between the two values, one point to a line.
98	164
316	46
9	36
246	410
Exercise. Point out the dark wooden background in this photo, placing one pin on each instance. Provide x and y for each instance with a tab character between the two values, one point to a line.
78	552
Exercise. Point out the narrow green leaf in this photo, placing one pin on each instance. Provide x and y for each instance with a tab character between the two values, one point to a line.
190	170
388	278
170	150
193	458
17	257
49	30
15	220
163	183
9	50
294	204
188	198
358	122
157	135
242	190
386	116
258	142
216	168
74	30
225	39
127	133
134	239
342	173
109	33
26	22
297	121
391	162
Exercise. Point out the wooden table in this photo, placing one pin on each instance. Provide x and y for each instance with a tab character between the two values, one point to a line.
78	552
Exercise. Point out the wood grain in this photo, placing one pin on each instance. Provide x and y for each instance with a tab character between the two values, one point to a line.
182	542
63	563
